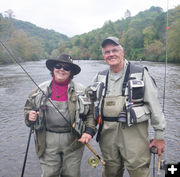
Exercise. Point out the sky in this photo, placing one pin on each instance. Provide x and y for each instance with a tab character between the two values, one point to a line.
75	17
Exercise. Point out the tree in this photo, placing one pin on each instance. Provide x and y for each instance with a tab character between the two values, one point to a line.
24	47
154	51
127	14
9	13
174	39
149	35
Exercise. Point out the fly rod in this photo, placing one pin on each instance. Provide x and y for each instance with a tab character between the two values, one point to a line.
17	62
27	148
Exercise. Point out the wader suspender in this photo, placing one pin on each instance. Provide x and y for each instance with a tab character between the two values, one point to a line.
131	68
41	120
126	78
102	105
43	108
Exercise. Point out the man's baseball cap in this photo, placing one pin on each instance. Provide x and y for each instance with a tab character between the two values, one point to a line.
110	40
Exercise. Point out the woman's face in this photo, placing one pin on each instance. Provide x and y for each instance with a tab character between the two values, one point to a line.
61	72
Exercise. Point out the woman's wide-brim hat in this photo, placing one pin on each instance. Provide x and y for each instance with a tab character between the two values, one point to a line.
64	59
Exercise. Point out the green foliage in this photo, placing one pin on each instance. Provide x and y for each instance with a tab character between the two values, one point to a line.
49	38
173	37
154	51
142	36
27	41
149	35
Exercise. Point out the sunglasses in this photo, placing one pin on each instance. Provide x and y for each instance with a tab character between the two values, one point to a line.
65	67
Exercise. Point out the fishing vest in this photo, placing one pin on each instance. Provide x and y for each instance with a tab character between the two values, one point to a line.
129	106
44	107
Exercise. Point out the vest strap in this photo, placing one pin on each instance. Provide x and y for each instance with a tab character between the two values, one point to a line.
126	78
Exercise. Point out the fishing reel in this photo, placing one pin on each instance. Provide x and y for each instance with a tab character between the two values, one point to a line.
93	161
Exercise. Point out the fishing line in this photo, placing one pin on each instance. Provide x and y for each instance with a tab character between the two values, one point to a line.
162	162
165	69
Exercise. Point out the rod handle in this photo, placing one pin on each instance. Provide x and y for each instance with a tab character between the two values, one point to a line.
95	153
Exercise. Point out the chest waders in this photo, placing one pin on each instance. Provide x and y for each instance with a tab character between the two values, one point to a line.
132	90
73	129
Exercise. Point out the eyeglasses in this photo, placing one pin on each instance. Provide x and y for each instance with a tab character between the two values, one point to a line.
65	67
114	51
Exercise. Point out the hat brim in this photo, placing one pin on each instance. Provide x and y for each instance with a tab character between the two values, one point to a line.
51	63
109	41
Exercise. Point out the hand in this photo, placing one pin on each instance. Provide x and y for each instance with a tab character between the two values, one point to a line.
159	144
85	138
33	116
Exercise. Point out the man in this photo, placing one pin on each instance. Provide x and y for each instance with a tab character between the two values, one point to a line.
127	102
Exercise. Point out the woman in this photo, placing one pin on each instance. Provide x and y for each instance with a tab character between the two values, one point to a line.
55	108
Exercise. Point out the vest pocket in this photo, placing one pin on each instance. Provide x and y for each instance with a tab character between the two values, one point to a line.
138	114
113	105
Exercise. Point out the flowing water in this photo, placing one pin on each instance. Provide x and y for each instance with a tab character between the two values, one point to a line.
15	87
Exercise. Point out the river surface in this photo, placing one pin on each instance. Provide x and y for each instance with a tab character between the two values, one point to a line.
15	87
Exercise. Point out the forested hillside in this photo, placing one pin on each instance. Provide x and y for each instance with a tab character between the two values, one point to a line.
26	40
142	36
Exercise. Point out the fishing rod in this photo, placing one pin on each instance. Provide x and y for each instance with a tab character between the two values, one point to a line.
154	151
161	163
27	148
165	68
17	62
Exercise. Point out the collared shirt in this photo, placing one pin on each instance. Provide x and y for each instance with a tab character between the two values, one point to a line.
115	81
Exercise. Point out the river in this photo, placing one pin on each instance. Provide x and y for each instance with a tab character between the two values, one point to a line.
15	87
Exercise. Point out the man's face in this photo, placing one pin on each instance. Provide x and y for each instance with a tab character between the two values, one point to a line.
113	55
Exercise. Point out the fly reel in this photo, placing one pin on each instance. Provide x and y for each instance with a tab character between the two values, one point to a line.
93	161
